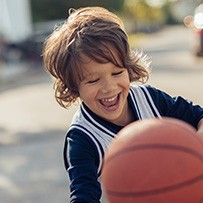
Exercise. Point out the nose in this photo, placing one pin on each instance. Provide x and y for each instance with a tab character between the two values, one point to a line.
108	85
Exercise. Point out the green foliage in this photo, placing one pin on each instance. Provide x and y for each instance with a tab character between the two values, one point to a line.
43	10
141	11
48	9
167	9
115	5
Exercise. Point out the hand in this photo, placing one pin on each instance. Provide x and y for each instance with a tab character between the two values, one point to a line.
200	129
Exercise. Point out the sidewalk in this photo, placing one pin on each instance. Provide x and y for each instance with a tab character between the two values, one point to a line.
32	130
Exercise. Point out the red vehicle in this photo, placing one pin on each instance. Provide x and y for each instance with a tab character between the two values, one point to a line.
196	23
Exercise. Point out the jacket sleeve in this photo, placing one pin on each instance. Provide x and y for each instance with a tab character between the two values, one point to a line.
81	161
176	107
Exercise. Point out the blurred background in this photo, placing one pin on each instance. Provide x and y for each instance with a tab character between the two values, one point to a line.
33	126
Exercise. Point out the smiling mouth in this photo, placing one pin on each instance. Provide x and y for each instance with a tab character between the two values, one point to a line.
110	102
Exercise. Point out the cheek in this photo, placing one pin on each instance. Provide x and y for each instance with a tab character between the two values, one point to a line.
129	75
81	92
126	84
87	94
126	80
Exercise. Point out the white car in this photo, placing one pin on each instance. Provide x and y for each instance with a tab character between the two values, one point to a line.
196	23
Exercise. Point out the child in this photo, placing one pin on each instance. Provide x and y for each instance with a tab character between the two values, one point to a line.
90	58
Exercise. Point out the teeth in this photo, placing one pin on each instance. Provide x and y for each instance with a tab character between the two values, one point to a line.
109	99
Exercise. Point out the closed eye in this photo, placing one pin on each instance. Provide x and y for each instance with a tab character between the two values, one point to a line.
92	81
117	73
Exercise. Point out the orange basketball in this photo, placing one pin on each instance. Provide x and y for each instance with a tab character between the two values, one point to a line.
154	161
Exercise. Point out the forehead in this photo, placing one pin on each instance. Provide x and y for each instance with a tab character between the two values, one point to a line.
90	65
85	60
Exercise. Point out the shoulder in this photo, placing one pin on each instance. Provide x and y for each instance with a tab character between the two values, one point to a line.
148	89
79	138
155	93
160	99
79	144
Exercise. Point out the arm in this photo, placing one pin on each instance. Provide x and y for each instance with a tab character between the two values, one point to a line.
200	129
81	165
177	107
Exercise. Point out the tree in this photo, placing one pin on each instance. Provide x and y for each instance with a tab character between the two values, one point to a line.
145	15
58	9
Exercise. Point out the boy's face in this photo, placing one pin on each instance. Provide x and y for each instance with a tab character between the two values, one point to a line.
104	89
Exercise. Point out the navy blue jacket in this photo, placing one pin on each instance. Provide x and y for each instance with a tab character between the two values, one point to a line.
89	136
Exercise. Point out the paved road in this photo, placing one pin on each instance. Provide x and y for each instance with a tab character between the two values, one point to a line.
174	68
32	130
32	125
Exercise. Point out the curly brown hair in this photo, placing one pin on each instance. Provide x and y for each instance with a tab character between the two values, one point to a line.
94	32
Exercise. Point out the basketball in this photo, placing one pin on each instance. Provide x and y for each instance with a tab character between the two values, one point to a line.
154	161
